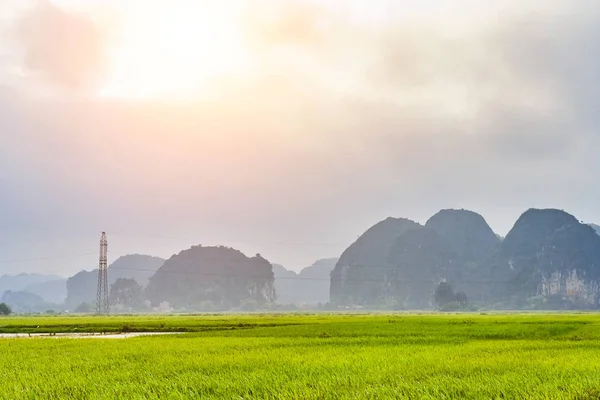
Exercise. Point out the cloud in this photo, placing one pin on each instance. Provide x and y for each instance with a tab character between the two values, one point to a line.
286	23
66	49
361	123
559	54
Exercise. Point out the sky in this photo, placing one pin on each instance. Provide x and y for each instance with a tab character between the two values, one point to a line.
285	127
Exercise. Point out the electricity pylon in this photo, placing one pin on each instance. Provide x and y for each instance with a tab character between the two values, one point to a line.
102	294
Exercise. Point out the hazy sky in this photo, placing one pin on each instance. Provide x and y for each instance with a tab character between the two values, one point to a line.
285	127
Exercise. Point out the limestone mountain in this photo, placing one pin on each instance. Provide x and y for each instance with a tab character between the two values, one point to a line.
550	253
134	266
475	245
467	232
363	257
309	286
220	276
418	260
372	247
399	263
82	286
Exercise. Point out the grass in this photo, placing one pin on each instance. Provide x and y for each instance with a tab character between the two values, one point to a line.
307	357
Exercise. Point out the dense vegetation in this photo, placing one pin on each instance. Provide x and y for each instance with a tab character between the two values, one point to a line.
311	357
5	309
126	294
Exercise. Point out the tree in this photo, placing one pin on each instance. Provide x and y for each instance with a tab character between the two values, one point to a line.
5	309
126	292
84	308
447	300
444	294
461	299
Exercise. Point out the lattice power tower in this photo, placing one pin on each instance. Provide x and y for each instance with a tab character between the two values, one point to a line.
102	294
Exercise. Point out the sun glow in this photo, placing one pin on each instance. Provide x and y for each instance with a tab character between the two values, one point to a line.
175	49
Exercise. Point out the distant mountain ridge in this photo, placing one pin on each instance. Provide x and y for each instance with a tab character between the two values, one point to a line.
53	291
24	302
22	281
81	287
309	286
548	260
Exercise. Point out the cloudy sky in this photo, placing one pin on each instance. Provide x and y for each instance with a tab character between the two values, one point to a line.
285	127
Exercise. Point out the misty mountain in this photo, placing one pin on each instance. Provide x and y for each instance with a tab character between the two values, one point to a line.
25	302
548	260
362	261
398	263
309	286
551	255
22	281
218	278
467	232
81	287
359	275
419	260
53	291
373	246
285	284
475	243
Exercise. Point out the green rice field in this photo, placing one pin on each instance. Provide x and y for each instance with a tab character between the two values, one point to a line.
290	356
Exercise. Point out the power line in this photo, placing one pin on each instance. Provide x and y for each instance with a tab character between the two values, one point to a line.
22	260
297	278
197	240
231	275
64	256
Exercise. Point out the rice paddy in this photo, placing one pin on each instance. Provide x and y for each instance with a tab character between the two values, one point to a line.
306	357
